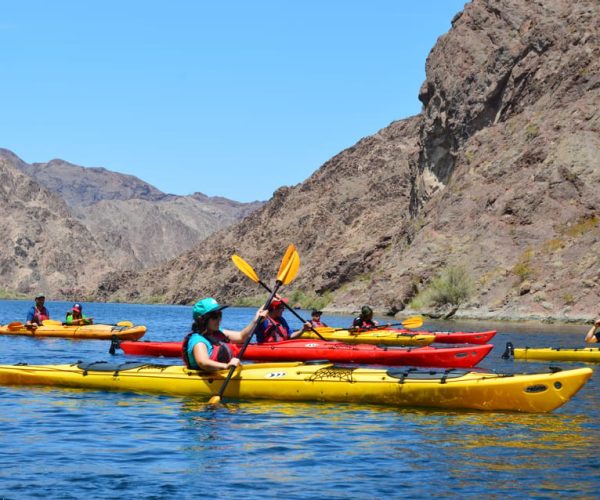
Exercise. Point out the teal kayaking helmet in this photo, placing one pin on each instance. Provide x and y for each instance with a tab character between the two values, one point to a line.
206	306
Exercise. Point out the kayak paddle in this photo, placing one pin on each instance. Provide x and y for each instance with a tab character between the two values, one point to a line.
411	323
247	269
285	276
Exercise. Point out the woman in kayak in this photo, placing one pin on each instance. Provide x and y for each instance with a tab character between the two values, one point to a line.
365	320
207	347
275	328
594	334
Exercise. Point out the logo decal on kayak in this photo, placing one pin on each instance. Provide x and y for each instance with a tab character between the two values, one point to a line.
275	375
311	345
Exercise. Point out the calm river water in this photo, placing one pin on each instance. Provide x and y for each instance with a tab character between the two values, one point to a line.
59	443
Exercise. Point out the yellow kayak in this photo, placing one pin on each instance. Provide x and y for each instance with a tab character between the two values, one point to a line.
379	337
413	387
125	331
589	354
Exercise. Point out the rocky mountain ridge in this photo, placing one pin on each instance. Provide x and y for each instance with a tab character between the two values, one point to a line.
499	174
132	224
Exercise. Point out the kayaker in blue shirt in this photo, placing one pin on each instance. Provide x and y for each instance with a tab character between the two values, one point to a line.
275	328
37	313
207	347
593	334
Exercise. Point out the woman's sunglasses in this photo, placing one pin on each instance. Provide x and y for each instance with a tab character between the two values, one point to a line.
215	315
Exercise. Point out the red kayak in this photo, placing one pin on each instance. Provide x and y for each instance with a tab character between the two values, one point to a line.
455	337
338	352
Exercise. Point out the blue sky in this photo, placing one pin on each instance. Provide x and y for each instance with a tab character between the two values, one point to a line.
229	98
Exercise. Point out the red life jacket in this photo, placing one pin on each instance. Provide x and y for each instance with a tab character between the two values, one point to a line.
275	332
363	323
40	315
223	351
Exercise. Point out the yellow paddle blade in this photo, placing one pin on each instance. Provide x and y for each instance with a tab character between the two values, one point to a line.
286	258
51	322
291	270
128	324
246	268
215	400
413	322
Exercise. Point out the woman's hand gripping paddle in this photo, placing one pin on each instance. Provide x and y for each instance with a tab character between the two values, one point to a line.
247	269
286	275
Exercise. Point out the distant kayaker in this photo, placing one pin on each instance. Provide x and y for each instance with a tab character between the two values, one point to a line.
37	313
76	317
207	347
315	318
275	328
365	320
594	334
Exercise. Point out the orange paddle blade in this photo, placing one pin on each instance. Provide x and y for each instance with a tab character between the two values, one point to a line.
246	268
291	270
286	258
413	322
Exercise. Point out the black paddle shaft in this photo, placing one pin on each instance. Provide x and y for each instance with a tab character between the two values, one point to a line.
247	341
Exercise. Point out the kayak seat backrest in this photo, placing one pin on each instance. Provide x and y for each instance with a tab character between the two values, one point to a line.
106	366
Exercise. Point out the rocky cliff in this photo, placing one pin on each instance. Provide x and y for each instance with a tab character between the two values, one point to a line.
499	175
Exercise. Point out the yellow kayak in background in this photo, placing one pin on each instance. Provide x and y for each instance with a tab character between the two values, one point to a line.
588	354
124	330
411	387
380	337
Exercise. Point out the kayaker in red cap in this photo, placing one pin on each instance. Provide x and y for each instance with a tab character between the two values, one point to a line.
594	334
275	328
76	317
207	347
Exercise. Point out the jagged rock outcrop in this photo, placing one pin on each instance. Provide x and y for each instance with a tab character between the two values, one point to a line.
499	173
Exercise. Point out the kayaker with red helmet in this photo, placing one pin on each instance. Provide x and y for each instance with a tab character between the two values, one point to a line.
365	320
76	317
38	312
594	334
207	347
274	327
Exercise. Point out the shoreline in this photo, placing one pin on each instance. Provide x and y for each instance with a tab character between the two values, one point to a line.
481	315
471	315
